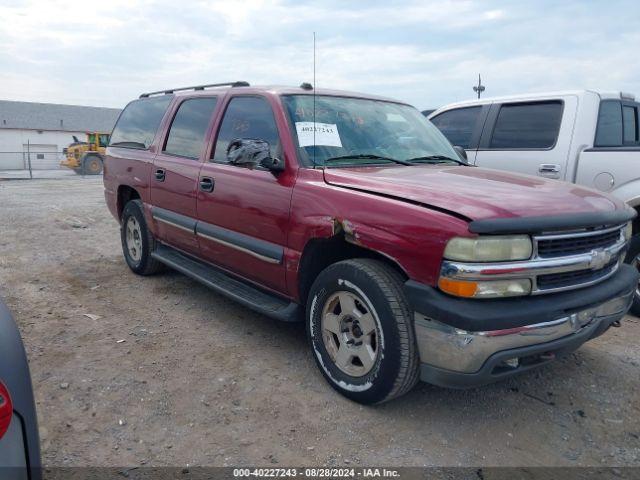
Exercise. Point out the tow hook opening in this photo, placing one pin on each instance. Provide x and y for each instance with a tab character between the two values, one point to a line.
515	363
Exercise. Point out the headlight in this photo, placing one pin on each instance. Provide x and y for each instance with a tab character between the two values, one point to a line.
489	249
628	230
485	289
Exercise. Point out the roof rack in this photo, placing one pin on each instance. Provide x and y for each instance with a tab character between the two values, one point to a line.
197	87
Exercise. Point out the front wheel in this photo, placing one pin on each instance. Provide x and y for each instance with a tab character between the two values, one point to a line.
361	331
633	258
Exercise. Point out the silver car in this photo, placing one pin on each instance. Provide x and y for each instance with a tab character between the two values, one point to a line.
19	443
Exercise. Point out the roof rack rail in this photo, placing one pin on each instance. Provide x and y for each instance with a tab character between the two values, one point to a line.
197	87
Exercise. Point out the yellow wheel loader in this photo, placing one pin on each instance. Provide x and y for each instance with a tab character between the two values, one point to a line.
86	157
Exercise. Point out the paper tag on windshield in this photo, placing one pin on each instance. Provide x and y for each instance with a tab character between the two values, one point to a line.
326	134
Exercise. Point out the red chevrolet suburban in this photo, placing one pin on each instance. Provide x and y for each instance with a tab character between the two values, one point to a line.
354	213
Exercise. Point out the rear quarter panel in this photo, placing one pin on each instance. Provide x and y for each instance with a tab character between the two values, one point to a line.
129	167
611	170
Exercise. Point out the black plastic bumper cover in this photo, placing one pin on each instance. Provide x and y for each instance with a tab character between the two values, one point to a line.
498	314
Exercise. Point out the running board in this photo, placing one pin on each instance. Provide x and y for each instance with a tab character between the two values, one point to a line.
238	290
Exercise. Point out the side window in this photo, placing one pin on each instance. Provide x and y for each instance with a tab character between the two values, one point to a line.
457	125
629	123
104	140
246	117
139	121
609	129
527	125
189	126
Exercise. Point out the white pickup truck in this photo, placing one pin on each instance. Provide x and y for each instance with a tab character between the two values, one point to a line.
585	137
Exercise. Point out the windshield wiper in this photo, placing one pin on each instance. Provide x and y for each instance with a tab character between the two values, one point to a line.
436	159
366	156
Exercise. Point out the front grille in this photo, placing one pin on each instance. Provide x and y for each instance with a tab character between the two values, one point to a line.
566	246
569	279
561	261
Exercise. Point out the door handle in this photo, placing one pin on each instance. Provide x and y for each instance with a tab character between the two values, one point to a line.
160	174
549	169
207	184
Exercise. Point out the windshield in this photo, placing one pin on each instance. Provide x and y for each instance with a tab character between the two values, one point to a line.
355	131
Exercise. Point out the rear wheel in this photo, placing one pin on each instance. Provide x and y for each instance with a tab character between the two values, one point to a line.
137	241
633	258
92	165
361	331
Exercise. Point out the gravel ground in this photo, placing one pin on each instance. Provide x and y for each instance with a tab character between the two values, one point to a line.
163	371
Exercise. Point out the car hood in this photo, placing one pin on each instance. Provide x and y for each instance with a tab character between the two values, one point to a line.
474	193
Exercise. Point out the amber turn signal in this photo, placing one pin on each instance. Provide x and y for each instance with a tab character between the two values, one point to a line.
459	288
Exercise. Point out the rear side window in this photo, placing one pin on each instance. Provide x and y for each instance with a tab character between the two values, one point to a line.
139	121
186	135
527	125
609	130
617	124
457	125
246	117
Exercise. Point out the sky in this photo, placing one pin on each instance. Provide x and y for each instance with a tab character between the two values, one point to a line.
427	53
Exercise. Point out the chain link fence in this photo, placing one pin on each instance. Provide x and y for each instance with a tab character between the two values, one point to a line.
29	164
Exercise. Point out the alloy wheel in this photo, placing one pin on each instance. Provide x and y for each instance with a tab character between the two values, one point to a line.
134	239
350	333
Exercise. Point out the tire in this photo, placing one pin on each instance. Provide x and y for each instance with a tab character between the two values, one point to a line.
633	258
137	241
91	165
382	362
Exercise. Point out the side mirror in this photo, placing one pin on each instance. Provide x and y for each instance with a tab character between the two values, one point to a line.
462	153
253	152
274	165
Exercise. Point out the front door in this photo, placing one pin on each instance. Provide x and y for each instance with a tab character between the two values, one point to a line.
462	127
174	178
243	213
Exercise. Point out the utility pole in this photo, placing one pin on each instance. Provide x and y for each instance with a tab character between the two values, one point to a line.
479	88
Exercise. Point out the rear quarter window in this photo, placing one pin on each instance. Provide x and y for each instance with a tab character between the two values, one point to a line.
527	126
629	125
138	123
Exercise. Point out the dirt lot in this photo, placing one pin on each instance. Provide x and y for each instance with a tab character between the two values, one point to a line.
170	373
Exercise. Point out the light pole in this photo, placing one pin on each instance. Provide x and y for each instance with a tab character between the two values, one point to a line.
479	88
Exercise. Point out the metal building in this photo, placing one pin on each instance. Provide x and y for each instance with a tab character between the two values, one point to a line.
40	131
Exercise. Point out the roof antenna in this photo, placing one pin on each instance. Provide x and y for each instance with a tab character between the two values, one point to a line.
479	88
315	86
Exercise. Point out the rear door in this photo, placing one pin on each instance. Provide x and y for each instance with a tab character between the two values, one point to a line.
243	214
174	177
462	126
531	137
614	160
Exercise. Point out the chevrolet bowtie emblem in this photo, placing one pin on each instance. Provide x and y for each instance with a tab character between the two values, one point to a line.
599	258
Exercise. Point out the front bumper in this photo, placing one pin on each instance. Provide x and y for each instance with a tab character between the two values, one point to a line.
465	343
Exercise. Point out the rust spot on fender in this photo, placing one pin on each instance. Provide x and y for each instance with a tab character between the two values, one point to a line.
346	228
